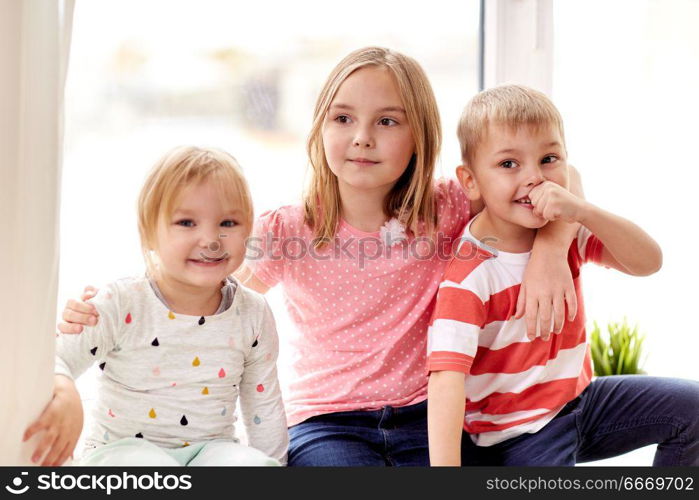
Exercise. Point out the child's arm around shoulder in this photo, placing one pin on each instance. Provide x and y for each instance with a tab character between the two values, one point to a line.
264	263
261	402
547	286
76	353
247	278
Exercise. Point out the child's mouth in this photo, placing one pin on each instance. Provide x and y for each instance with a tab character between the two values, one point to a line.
525	202
207	261
363	162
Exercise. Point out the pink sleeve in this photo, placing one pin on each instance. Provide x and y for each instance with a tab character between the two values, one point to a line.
454	207
264	256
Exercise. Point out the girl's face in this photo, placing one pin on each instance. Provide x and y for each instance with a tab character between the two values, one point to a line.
203	241
368	142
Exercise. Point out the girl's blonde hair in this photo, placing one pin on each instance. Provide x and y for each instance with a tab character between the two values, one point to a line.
181	167
411	200
508	105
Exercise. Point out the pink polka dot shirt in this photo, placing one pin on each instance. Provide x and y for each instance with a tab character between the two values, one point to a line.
361	307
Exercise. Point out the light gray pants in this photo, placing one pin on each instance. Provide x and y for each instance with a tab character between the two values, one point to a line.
135	451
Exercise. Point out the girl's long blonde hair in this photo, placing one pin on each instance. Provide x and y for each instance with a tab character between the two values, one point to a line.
411	200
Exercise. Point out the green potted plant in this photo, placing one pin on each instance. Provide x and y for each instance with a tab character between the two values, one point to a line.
618	352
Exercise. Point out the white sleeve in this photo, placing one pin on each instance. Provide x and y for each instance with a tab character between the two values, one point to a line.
260	395
75	353
582	237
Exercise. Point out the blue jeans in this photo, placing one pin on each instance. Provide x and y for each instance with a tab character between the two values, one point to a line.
392	436
612	416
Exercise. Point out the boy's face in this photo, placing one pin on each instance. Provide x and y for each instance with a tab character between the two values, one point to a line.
508	164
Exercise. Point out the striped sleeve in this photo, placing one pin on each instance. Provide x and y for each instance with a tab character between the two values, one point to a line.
589	246
459	316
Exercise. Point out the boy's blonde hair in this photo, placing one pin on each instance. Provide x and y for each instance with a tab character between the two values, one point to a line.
412	197
507	105
181	167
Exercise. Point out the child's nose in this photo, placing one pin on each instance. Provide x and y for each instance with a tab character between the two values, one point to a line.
211	240
534	177
363	138
534	181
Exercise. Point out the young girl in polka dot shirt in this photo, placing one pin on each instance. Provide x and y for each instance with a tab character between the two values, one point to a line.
360	261
180	346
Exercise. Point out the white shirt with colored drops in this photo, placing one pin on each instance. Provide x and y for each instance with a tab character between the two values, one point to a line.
175	379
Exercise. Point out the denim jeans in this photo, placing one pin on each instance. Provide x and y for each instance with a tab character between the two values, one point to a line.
612	416
392	436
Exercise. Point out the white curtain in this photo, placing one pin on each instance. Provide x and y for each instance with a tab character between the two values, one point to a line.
34	46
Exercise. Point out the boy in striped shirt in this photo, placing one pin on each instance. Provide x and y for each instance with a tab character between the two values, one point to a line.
530	401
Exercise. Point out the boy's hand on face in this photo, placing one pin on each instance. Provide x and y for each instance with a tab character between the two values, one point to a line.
554	202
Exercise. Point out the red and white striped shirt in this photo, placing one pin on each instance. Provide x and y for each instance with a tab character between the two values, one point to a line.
513	385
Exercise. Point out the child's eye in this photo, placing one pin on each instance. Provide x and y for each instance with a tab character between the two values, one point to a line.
185	223
549	159
508	164
342	119
229	223
388	122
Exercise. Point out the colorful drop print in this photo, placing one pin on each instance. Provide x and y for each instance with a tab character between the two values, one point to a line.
223	412
171	315
102	365
237	311
128	319
111	413
155	342
260	388
152	413
257	420
117	348
106	436
139	435
93	351
196	361
186	443
254	344
183	420
221	373
202	320
205	391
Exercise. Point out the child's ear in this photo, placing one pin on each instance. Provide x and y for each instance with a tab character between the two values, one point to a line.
468	182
